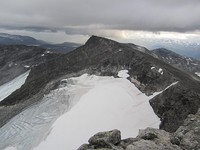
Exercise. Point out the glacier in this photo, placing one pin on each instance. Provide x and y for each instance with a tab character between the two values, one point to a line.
8	88
76	110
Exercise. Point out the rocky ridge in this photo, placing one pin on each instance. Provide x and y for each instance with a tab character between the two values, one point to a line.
185	63
17	59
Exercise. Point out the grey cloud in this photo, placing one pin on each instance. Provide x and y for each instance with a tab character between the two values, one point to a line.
30	28
89	16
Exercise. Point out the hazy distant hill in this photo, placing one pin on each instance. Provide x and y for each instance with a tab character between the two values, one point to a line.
8	39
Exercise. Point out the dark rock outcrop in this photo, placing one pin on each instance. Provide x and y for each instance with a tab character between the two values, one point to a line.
174	105
188	135
160	140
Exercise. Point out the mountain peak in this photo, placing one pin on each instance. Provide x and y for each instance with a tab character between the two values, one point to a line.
99	40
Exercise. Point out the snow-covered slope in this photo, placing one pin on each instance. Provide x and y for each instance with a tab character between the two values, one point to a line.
7	88
79	108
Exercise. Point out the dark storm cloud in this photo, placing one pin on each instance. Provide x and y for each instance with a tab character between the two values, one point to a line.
86	16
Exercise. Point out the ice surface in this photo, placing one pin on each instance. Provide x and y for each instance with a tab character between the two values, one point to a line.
7	88
68	116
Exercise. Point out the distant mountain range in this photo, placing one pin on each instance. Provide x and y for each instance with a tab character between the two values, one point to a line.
8	39
182	47
185	63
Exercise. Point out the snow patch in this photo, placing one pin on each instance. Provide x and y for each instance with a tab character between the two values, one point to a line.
123	74
188	61
7	88
152	68
84	106
160	71
157	93
194	64
42	55
49	52
197	73
26	66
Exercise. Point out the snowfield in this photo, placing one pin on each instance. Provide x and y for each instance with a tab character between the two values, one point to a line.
7	88
82	106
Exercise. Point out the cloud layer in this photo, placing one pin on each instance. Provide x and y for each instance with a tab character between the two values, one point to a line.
88	16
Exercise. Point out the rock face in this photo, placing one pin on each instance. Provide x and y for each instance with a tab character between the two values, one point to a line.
102	56
15	60
187	137
189	133
174	105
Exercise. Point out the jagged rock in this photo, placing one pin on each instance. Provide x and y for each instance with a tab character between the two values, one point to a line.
104	139
151	138
150	145
125	142
189	133
148	139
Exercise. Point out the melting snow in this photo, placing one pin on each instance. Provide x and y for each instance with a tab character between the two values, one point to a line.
7	88
123	74
68	116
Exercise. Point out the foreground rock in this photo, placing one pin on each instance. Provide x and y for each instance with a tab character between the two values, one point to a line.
187	137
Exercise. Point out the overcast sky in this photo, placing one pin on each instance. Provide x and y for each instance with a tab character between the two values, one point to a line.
76	20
